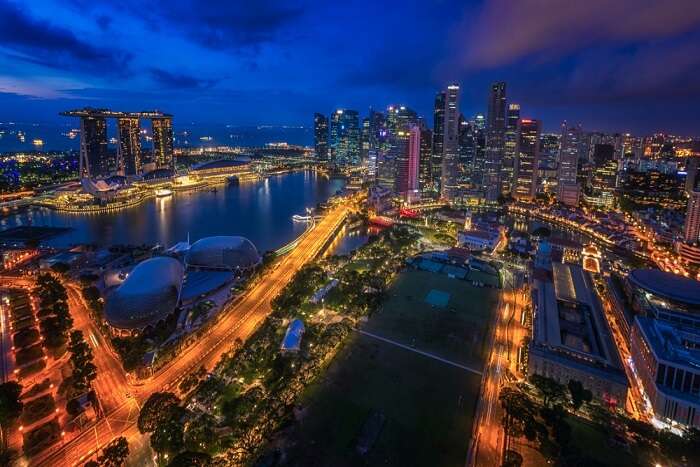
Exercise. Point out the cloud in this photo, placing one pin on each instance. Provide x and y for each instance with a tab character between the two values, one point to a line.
215	24
178	80
42	43
505	31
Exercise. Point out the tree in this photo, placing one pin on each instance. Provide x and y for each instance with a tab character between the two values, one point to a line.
167	438
115	453
60	267
552	391
10	405
190	459
84	371
578	394
159	408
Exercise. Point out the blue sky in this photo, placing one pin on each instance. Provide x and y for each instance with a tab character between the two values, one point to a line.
613	65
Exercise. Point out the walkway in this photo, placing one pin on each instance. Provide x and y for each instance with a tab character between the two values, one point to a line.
425	354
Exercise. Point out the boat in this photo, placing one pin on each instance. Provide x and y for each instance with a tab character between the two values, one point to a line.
163	192
298	218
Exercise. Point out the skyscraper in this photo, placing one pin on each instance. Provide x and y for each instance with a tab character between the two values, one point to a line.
321	136
407	162
365	140
438	136
163	142
691	230
567	188
495	134
510	147
526	162
345	137
449	181
425	176
129	150
94	158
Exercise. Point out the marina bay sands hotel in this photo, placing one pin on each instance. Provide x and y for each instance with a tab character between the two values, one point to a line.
95	159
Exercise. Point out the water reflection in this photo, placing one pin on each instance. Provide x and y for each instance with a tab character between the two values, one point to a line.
260	210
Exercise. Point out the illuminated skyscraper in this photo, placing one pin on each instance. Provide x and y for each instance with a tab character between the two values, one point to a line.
345	137
691	230
407	161
449	181
321	136
425	176
604	176
569	146
163	142
365	140
438	136
94	158
510	148
495	134
526	162
129	150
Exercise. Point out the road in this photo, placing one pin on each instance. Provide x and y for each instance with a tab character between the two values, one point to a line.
238	322
635	404
488	437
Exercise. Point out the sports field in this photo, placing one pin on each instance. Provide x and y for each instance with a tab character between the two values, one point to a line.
403	407
414	313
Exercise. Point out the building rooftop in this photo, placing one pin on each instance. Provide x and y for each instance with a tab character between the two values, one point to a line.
292	338
569	319
667	285
150	293
670	342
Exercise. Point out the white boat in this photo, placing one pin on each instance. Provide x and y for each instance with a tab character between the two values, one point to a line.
298	218
163	192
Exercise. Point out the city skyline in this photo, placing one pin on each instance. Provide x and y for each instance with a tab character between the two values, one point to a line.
628	72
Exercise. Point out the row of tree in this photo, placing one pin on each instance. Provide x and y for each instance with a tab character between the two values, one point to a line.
55	317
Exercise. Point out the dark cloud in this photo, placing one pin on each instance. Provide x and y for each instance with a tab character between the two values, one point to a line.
40	42
178	80
215	24
103	22
505	31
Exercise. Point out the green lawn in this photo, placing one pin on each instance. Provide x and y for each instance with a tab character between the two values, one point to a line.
593	442
455	332
428	408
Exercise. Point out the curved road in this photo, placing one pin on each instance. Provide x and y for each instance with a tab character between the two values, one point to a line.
238	322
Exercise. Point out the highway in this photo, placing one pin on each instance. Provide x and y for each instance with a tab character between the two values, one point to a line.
238	322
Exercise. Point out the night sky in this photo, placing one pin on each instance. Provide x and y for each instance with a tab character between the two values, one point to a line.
613	65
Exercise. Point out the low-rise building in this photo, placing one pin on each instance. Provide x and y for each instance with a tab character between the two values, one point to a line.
571	337
478	239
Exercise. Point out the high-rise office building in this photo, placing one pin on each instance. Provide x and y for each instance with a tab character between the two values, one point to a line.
163	142
321	136
438	136
407	162
692	169
547	163
345	137
94	157
526	161
567	167
466	148
691	228
425	175
449	181
510	147
495	135
604	176
365	140
129	149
